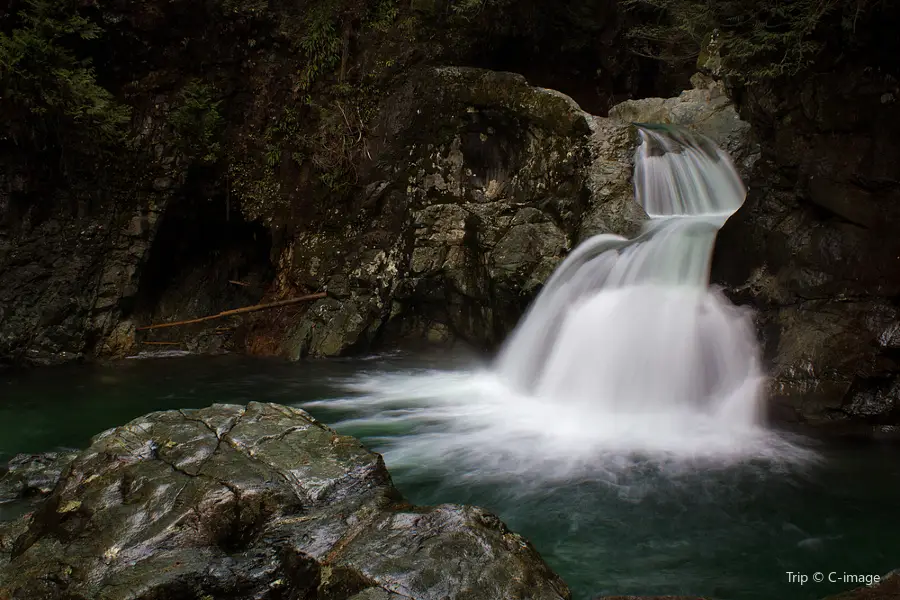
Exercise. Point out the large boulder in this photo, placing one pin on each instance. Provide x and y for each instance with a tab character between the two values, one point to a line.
259	502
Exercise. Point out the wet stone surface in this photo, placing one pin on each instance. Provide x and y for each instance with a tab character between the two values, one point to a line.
259	502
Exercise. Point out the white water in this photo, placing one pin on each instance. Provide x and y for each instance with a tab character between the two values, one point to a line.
627	356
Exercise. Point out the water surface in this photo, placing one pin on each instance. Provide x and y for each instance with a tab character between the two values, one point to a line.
625	525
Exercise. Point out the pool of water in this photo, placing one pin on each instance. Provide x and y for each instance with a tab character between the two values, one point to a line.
628	525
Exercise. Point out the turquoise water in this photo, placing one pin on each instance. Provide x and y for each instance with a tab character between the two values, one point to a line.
729	533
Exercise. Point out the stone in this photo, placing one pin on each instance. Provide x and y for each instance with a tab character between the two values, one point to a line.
258	502
30	475
487	183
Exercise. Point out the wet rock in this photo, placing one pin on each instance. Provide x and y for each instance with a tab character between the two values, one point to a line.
814	248
29	475
706	108
257	502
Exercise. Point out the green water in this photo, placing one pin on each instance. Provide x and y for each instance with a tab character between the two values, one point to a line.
727	533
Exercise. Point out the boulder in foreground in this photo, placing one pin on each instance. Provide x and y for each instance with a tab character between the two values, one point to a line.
257	502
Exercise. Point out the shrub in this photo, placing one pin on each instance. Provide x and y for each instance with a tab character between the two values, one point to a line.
755	39
197	122
49	94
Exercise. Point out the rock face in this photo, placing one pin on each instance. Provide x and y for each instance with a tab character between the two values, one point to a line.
257	502
481	183
473	187
814	249
488	182
251	147
62	278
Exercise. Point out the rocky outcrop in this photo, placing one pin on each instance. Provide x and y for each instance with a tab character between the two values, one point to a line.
257	502
251	143
814	248
486	183
481	183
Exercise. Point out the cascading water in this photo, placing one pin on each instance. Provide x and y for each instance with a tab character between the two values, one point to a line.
626	357
631	327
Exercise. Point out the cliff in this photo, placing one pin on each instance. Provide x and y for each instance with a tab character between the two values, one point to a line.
167	161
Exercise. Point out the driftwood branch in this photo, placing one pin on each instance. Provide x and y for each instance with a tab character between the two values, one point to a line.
237	311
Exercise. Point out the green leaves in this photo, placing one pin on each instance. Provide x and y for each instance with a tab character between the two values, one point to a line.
198	123
321	44
756	39
49	87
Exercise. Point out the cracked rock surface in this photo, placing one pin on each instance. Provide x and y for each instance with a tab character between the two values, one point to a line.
257	502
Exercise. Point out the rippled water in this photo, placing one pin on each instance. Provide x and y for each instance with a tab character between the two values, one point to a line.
608	519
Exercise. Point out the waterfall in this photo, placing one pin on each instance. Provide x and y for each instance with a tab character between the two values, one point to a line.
626	356
631	326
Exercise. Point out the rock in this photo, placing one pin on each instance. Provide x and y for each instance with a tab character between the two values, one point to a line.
482	190
257	502
9	533
29	475
486	184
705	108
69	266
814	249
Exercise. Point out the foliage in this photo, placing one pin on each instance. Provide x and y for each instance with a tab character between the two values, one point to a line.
320	43
382	15
197	122
339	142
283	134
755	39
332	137
467	8
49	94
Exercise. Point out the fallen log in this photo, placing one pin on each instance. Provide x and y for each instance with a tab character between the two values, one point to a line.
236	311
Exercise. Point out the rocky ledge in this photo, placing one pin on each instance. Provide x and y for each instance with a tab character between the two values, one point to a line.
257	502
